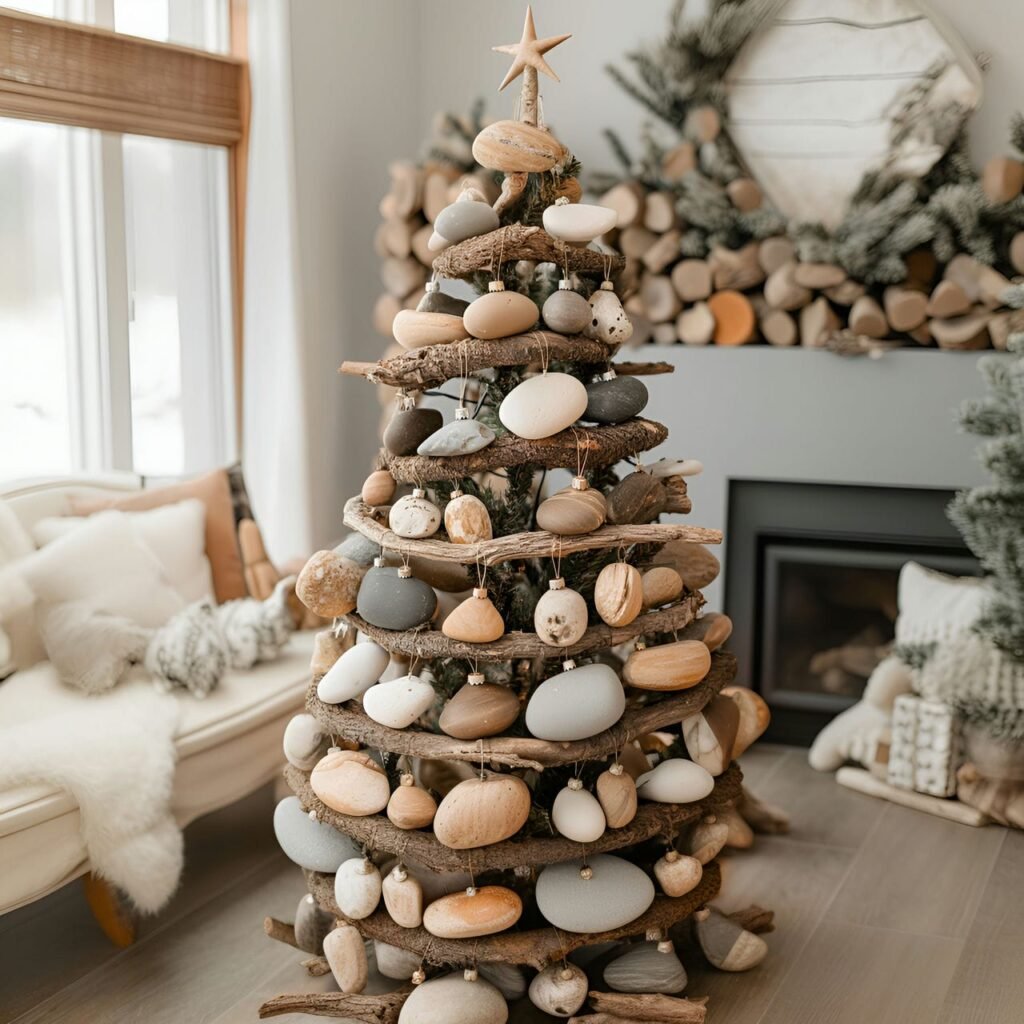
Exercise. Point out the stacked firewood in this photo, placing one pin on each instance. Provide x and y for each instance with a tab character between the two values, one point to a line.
418	193
764	292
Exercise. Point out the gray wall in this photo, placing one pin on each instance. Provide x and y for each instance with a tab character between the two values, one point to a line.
368	78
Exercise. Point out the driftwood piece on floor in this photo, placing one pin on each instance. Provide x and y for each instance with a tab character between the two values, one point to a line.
533	544
657	1008
377	833
382	1009
599	446
525	751
429	644
519	242
953	810
532	947
765	819
281	931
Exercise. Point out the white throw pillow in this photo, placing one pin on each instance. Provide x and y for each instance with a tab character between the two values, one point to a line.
934	607
20	646
105	565
175	534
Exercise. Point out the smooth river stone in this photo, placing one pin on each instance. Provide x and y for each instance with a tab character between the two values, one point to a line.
304	742
388	601
560	617
491	909
618	892
311	925
350	782
460	437
310	844
451	999
577	815
576	704
413	330
571	513
645	968
566	311
477	711
409	428
608	322
436	301
543	405
398	703
465	218
508	978
357	887
636	498
479	812
395	962
353	673
358	548
345	953
578	222
616	400
675	781
500	314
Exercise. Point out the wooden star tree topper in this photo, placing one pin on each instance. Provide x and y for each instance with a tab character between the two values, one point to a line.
529	59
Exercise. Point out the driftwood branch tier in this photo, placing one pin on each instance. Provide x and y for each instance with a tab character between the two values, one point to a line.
535	544
519	242
525	751
600	446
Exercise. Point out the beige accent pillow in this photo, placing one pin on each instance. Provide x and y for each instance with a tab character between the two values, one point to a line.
214	491
176	534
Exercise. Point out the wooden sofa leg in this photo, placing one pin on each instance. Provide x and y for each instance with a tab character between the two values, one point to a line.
118	921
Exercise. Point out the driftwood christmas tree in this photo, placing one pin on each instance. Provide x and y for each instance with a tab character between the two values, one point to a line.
531	727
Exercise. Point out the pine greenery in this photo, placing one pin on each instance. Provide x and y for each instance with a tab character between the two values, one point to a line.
991	517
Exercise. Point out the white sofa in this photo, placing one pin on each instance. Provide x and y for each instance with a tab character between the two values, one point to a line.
228	745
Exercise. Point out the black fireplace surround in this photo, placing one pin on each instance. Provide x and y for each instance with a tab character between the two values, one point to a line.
810	585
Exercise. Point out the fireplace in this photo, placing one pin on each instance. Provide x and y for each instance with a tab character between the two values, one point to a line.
810	584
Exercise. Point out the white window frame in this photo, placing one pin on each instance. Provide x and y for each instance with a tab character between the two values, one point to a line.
96	274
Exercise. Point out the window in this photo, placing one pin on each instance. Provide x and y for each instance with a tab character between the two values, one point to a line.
117	338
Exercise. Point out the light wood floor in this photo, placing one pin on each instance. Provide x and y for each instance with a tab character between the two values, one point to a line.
884	915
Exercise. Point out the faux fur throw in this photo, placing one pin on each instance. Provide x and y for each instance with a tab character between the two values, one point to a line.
115	755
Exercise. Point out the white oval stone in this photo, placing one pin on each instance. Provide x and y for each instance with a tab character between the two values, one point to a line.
560	617
675	781
357	885
577	814
399	703
618	892
578	222
675	467
576	704
451	999
395	962
353	673
304	742
542	406
645	968
414	518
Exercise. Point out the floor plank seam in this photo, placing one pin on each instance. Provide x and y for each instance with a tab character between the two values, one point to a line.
145	940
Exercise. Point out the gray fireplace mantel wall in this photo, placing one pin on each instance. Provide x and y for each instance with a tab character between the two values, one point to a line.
764	413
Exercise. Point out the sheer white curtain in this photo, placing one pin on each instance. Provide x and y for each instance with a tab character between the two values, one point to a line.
276	433
334	90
